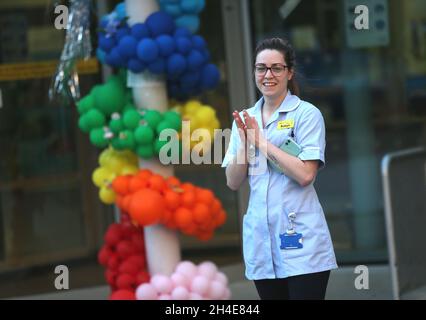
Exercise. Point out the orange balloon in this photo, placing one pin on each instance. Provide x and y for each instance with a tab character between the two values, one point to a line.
173	182
188	199
172	199
221	218
205	236
121	184
144	174
147	207
156	182
183	217
187	186
190	230
126	202
206	196
216	206
136	183
201	213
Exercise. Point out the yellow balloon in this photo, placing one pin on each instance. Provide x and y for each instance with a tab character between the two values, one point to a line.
191	107
115	164
128	169
101	176
104	157
107	195
205	115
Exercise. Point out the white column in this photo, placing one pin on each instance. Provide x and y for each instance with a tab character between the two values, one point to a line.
162	245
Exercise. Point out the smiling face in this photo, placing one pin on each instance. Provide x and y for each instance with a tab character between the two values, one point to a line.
272	84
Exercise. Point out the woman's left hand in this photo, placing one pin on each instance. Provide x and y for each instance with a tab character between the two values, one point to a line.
254	134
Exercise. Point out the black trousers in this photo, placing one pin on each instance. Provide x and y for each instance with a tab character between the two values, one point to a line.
311	286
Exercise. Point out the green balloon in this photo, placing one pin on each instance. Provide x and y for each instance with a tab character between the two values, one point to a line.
117	80
158	145
85	104
162	126
127	139
153	118
83	123
97	137
95	118
145	151
116	144
131	119
144	135
174	119
109	98
128	106
116	124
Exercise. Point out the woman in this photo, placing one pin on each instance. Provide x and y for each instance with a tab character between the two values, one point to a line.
287	246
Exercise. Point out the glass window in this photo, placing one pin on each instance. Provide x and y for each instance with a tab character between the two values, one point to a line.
370	92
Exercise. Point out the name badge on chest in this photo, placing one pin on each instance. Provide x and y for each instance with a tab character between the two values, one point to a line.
291	239
285	124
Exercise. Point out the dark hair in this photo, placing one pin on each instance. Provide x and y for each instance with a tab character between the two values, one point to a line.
288	53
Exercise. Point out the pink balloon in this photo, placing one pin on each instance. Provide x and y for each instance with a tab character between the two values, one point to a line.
180	293
207	269
187	268
165	297
221	277
200	285
227	295
179	279
162	283
216	291
146	292
195	296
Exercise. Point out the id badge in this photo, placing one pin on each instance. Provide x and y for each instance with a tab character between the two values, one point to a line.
291	241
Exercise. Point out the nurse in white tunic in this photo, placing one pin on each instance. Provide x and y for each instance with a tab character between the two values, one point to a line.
287	246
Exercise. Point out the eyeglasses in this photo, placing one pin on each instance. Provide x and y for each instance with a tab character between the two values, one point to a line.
276	69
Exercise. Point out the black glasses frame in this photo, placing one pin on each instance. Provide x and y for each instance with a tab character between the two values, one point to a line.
268	68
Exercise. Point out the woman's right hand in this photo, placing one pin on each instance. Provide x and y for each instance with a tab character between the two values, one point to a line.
242	128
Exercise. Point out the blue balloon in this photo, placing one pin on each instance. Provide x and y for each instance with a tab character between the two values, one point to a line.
140	31
172	8
195	60
182	32
160	23
127	47
199	42
101	55
210	76
189	6
121	32
167	45
147	50
104	22
106	43
183	44
135	65
190	22
176	65
115	59
120	10
190	79
158	66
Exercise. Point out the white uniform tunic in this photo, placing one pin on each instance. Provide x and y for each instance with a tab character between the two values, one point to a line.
273	196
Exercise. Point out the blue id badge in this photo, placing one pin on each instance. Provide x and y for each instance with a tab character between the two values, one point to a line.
291	241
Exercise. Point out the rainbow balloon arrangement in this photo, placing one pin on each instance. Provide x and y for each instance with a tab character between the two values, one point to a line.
164	45
162	48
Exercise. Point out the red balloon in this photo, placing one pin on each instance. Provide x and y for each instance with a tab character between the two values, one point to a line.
122	295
